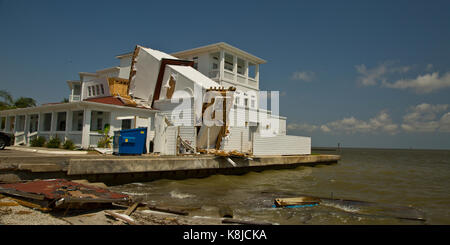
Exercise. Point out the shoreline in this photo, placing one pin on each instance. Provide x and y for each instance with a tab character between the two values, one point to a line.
12	213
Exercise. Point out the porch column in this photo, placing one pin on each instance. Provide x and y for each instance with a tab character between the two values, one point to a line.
14	131
257	74
7	123
221	65
112	122
68	124
53	124
246	71
38	129
85	138
235	67
26	129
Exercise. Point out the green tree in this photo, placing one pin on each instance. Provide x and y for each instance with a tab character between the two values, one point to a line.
9	103
7	100
24	102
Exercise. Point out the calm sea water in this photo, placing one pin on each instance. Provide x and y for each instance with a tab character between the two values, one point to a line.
397	183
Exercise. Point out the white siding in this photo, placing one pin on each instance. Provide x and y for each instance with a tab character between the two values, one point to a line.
170	141
166	108
238	139
281	145
282	129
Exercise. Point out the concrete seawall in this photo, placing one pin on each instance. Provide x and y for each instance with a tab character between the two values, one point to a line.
17	166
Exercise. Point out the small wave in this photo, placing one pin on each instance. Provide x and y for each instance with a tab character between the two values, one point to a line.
175	194
342	207
134	193
138	184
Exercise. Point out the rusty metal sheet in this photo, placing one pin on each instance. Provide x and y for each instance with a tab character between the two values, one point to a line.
62	190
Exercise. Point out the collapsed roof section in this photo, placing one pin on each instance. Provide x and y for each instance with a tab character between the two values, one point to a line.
149	70
144	72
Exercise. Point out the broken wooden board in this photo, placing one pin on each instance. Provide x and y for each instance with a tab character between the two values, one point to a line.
167	210
121	217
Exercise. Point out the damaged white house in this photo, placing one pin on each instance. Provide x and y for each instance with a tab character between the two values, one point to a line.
205	99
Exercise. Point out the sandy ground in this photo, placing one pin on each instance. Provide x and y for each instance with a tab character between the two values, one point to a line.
11	213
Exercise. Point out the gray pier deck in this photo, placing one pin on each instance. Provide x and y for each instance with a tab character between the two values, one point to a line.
19	166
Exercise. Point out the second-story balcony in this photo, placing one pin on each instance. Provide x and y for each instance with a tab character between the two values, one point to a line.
234	77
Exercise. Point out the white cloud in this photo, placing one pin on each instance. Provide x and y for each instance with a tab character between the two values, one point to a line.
382	122
325	129
445	123
302	127
373	76
420	118
426	118
306	76
422	84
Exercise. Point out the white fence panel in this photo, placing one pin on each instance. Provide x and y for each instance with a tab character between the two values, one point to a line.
281	145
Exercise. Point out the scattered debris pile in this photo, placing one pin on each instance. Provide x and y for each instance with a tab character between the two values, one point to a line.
47	195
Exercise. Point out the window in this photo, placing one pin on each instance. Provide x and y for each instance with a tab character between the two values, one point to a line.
240	66
89	90
98	89
3	123
47	121
99	123
195	59
237	101
103	90
215	61
246	102
61	121
20	123
251	70
253	103
99	119
126	124
77	120
229	62
11	123
76	89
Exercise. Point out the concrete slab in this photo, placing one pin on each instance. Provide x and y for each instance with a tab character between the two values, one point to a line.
125	169
46	150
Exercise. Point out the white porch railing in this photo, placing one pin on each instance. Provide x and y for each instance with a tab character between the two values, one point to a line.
252	82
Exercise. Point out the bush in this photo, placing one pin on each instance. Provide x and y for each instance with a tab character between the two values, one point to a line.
68	145
105	140
38	142
54	142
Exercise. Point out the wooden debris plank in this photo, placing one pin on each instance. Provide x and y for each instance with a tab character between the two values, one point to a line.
131	209
167	210
281	202
125	218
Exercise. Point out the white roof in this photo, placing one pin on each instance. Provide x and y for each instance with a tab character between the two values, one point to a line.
217	46
158	54
195	76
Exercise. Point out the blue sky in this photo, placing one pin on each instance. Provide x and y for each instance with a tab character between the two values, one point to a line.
362	73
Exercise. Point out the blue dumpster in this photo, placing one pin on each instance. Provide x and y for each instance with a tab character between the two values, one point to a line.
130	141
